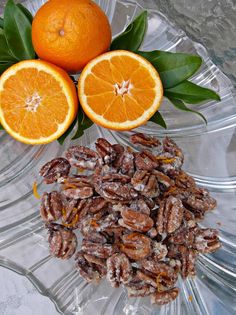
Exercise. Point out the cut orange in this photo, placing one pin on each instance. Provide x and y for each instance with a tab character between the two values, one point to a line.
38	101
120	90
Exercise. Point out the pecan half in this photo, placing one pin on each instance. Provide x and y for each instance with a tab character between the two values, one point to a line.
55	170
162	298
166	275
92	270
136	246
200	200
171	159
135	221
114	187
82	157
95	204
73	213
97	249
146	183
188	258
140	205
138	288
145	160
77	188
105	150
183	236
170	215
207	240
144	140
51	206
62	242
184	181
119	270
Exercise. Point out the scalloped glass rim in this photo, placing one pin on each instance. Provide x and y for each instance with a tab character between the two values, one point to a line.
23	246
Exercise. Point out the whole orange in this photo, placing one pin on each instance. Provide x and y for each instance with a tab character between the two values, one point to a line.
70	33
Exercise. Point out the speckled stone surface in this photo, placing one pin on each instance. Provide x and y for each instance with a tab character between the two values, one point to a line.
19	297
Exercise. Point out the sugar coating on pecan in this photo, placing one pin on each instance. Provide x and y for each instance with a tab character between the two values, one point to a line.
62	241
119	270
137	212
51	206
55	170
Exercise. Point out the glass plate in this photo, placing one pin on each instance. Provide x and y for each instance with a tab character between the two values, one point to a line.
209	157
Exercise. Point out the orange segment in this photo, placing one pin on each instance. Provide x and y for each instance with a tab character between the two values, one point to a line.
38	101
120	90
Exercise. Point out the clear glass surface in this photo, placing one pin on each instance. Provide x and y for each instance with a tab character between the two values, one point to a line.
209	156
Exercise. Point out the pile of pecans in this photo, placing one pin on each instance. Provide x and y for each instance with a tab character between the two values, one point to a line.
137	213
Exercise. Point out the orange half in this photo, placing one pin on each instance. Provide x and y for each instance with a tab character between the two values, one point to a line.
38	101
120	90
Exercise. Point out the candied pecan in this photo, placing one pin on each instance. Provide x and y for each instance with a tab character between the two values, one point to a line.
135	221
127	163
184	181
200	200
51	206
119	270
77	188
95	204
189	218
147	278
206	240
171	159
159	251
145	160
144	140
138	288
62	241
188	259
136	246
146	183
105	150
177	192
90	271
114	187
170	215
82	157
97	249
164	181
55	170
73	213
162	298
140	205
183	236
166	275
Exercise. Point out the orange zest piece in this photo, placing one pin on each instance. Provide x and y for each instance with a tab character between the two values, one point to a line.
35	191
38	101
120	90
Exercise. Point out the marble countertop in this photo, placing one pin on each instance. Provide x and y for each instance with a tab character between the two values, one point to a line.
19	297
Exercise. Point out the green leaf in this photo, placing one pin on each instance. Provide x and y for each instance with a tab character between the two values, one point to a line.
180	105
158	119
17	28
5	65
1	22
132	37
68	131
83	123
191	93
1	127
5	54
173	68
26	12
